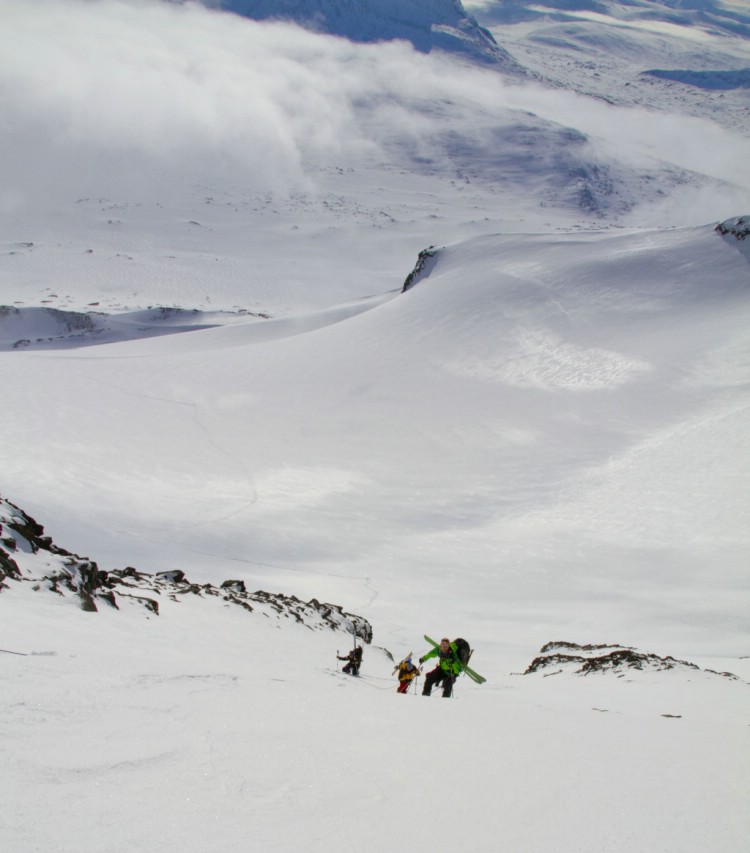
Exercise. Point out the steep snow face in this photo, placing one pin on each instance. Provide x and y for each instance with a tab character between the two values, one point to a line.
427	24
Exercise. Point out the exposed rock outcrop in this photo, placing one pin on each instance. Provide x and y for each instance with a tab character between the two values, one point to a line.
737	227
59	571
563	657
426	260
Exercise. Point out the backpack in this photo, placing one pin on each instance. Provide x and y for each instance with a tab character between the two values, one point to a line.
463	650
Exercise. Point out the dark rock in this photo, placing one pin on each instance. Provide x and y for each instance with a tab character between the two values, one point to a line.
33	532
8	565
87	603
173	576
109	597
588	659
426	260
148	603
560	644
88	583
8	542
737	227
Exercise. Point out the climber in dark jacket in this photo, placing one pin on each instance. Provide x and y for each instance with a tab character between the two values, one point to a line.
354	659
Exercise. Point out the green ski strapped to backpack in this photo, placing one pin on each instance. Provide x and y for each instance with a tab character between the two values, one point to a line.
464	652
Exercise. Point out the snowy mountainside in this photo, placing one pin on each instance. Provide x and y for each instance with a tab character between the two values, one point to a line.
544	435
715	14
427	24
578	380
234	143
212	741
210	247
687	58
215	727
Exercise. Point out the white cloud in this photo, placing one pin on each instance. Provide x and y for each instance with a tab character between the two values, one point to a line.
132	91
174	85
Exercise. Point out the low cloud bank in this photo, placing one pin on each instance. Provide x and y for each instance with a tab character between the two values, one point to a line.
132	92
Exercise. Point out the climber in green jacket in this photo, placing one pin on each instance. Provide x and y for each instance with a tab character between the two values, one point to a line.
446	671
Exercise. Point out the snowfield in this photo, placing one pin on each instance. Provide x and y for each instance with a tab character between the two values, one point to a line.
389	338
196	729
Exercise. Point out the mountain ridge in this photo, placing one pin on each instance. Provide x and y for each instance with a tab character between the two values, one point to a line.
442	25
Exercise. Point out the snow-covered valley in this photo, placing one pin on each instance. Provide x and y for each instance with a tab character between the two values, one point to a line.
379	334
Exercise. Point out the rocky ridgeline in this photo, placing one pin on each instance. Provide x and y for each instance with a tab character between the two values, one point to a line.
561	657
28	556
738	227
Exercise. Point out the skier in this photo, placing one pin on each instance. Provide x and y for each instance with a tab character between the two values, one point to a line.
406	673
445	672
354	659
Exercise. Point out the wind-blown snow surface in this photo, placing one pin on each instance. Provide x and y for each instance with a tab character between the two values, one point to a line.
542	417
196	730
545	438
232	740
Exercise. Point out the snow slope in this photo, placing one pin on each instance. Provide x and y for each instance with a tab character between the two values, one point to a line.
209	366
229	730
123	742
552	394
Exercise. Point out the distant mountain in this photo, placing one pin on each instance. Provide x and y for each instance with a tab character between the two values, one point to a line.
428	24
731	16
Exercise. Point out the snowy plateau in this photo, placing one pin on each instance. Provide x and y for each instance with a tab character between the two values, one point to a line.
337	321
